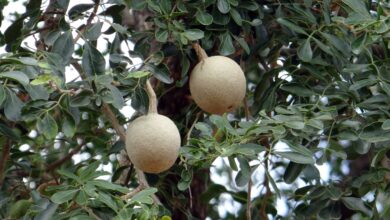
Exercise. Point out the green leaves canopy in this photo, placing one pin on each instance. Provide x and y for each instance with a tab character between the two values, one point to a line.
318	94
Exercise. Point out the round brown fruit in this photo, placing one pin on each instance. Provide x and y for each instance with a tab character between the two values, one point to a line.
217	84
152	143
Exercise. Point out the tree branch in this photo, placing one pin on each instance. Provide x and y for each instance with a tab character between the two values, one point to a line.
4	158
89	21
249	201
61	161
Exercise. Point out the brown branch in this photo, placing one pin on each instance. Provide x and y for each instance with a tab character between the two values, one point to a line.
61	161
133	192
188	135
249	201
4	158
114	121
90	212
89	21
268	193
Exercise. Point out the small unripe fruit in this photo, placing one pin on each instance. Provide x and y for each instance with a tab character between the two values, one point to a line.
217	84
19	209
152	141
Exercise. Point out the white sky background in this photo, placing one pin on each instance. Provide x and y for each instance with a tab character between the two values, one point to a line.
229	205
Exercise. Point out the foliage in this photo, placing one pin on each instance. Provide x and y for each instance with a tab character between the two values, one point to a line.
318	95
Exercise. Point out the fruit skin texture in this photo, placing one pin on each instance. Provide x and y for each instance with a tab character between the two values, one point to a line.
217	84
152	143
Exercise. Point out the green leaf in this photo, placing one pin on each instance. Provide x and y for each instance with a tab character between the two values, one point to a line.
17	76
69	175
292	172
12	106
64	47
358	6
118	102
297	90
166	6
103	184
3	94
304	51
37	92
7	131
138	4
291	26
119	28
299	148
204	18
299	125
94	32
193	34
226	46
241	179
144	196
81	197
339	43
273	184
47	126
161	35
125	214
93	61
161	72
76	11
236	16
108	200
296	157
374	133
362	83
81	99
63	196
47	213
243	44
244	168
68	125
386	125
45	79
356	204
223	6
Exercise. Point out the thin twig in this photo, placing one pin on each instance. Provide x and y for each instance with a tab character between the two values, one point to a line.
133	192
89	21
268	193
61	161
114	121
4	159
248	116
249	201
90	212
188	135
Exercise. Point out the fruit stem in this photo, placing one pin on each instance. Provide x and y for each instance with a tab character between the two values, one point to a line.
199	51
152	98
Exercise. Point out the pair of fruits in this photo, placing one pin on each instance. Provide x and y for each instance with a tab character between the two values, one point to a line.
217	85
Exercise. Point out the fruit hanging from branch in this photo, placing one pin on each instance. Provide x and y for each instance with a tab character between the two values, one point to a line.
152	140
217	83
